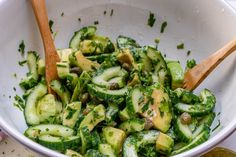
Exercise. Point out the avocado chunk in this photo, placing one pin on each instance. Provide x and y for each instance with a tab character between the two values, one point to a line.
106	149
159	110
177	74
93	117
124	114
84	63
71	114
164	143
72	153
125	56
115	137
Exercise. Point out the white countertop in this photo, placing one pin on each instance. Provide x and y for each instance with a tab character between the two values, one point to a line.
11	148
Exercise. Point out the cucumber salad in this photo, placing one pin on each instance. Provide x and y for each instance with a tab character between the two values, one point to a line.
114	99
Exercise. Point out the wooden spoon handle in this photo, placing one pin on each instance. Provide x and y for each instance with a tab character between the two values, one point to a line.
51	56
202	70
220	55
40	12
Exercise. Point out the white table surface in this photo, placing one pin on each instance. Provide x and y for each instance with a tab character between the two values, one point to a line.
11	148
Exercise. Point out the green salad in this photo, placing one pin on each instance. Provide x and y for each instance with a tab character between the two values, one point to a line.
114	99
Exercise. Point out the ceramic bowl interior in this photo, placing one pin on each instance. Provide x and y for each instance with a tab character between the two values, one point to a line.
203	27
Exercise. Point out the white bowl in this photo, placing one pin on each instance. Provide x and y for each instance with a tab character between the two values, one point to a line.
204	27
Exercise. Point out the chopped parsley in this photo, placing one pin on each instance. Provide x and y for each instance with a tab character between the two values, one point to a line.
188	53
163	26
62	14
19	102
21	63
15	75
111	12
151	19
14	88
180	46
145	107
96	22
79	19
105	12
190	63
157	40
21	48
50	25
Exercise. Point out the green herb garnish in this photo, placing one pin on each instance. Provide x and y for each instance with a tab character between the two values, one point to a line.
190	63
151	19
21	48
105	12
180	46
163	26
188	53
62	14
19	102
157	40
79	19
111	12
21	63
50	25
96	22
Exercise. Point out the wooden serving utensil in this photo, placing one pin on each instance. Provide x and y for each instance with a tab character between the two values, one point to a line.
193	77
51	56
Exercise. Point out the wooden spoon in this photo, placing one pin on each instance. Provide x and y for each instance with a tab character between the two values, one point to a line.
51	56
197	74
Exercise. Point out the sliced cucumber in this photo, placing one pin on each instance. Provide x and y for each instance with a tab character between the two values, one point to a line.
30	111
186	96
63	69
133	100
71	114
82	34
47	107
59	143
111	114
61	90
99	58
126	42
80	87
108	74
208	119
206	105
161	73
41	67
196	141
105	94
93	118
183	131
176	73
94	153
132	125
133	142
32	77
64	54
48	129
72	153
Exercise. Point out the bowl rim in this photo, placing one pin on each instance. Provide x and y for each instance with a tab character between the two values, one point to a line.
206	146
